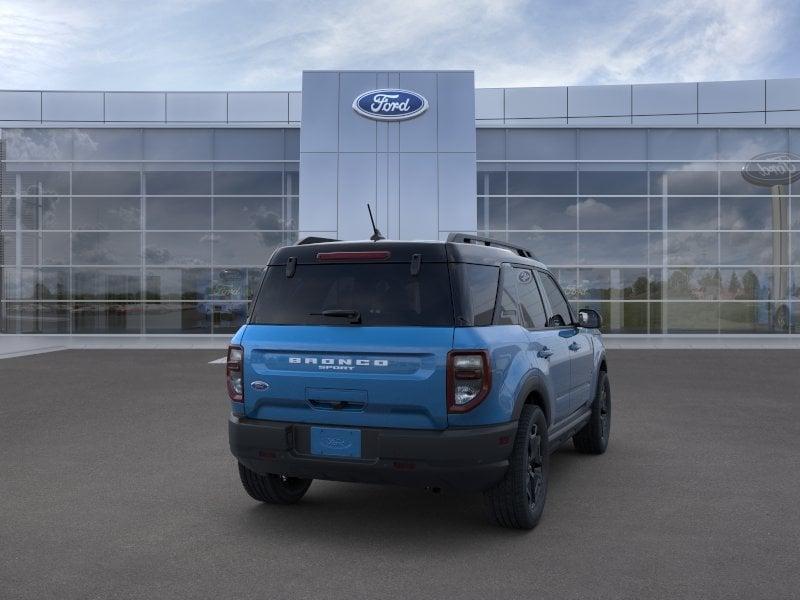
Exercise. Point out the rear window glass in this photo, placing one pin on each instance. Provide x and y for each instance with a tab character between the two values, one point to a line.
383	294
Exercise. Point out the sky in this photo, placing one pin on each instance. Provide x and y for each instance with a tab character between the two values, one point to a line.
265	45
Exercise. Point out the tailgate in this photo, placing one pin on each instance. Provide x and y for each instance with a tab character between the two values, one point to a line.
344	375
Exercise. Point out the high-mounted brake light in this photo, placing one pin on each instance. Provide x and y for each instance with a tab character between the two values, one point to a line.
233	373
367	255
469	378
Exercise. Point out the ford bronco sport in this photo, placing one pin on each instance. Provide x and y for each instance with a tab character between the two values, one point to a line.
456	364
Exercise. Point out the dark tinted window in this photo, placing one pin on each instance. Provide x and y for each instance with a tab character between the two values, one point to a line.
508	311
478	290
384	294
560	308
530	302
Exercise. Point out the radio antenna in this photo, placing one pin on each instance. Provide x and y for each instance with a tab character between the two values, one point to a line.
376	235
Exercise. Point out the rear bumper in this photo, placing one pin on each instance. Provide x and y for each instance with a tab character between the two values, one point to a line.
469	459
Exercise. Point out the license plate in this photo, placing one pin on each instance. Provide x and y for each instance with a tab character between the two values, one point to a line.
328	441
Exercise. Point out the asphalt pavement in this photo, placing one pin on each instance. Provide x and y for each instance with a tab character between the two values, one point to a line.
116	482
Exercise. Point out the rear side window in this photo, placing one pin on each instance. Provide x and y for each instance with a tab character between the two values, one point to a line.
382	293
530	301
477	291
507	311
560	307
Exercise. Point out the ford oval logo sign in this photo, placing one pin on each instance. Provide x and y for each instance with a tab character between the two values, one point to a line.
390	105
772	168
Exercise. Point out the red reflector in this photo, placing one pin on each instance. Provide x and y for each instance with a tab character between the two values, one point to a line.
404	466
369	255
503	440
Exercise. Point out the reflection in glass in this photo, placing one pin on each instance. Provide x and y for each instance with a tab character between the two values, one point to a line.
490	144
492	213
178	144
106	248
612	213
613	284
106	284
744	144
613	249
178	213
177	317
106	213
47	248
236	283
693	284
250	213
248	144
227	316
696	248
31	317
746	248
692	213
117	183
733	183
177	284
491	182
36	183
177	183
754	317
553	249
542	213
620	317
684	183
45	212
754	283
107	144
102	317
38	144
239	249
691	317
178	248
248	182
751	213
629	183
541	182
44	283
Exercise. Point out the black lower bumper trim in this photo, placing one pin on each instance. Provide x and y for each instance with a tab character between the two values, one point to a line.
463	458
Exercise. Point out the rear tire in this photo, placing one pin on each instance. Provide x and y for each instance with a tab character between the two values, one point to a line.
593	438
518	500
273	489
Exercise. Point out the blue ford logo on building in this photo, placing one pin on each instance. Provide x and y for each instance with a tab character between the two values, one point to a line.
390	105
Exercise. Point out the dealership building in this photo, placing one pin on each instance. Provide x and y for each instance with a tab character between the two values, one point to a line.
669	208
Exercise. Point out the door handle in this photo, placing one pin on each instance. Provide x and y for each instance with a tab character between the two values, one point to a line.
574	347
544	353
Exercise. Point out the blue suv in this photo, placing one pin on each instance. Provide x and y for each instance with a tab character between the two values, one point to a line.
456	364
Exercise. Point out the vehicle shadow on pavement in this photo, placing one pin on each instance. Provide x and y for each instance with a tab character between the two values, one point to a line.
365	512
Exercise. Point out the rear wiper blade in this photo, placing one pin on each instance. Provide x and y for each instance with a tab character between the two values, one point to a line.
344	313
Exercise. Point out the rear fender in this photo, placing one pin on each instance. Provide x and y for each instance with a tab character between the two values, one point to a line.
535	388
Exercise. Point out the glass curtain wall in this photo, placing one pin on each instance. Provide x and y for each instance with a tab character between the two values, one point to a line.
660	230
131	231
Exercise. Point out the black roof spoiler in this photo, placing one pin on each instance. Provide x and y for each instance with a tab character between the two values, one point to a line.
314	240
466	238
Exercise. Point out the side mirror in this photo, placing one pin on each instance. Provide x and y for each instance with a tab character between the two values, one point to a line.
590	319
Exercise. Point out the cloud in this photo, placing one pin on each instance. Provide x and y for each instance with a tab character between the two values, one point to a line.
209	44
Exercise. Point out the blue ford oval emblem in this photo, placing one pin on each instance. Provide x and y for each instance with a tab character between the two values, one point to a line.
390	105
259	385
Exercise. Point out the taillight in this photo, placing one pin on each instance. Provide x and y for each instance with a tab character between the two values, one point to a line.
468	379
233	373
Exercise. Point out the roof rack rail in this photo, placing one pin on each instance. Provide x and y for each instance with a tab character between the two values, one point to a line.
465	238
314	240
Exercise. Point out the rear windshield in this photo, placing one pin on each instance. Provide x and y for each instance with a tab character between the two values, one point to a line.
382	294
